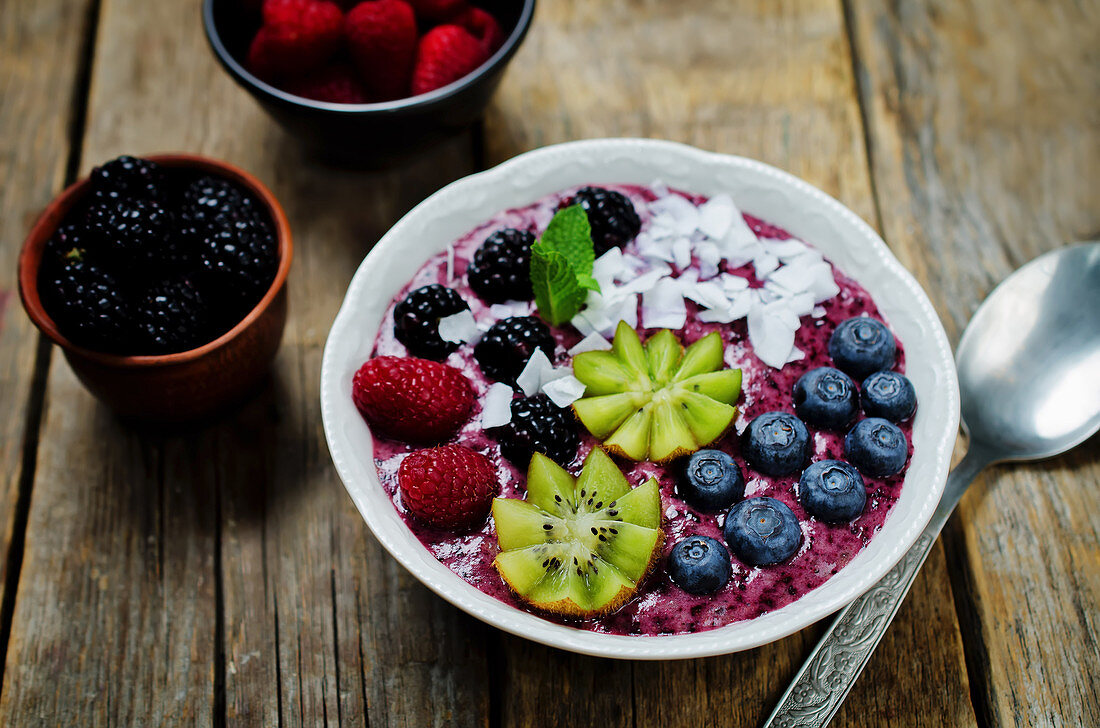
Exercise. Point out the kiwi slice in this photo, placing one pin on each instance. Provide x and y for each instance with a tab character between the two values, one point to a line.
578	547
656	402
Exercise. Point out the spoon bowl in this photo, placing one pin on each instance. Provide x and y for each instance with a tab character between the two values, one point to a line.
1028	361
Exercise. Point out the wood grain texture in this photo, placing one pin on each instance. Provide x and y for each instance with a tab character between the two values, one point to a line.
767	80
180	578
40	45
983	122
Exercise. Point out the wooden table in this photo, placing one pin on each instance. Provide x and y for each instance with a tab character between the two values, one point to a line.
223	577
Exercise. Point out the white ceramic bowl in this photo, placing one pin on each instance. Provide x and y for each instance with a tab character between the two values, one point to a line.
758	189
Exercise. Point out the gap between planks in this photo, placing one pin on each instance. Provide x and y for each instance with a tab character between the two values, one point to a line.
36	397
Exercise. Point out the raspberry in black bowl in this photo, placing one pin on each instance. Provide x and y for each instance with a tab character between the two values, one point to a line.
156	260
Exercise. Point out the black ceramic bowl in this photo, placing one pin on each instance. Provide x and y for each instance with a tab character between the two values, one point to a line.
370	134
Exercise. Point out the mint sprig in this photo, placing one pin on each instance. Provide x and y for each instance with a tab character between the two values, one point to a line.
561	266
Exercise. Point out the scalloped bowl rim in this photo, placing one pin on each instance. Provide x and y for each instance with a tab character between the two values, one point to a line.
757	188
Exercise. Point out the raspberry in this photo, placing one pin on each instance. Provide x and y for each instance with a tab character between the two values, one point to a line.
446	53
505	348
335	84
298	36
88	305
131	229
611	215
382	38
501	269
538	425
437	11
482	26
449	487
128	177
414	400
416	320
172	316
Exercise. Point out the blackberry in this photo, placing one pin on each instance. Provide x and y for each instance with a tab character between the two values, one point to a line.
128	177
208	198
68	240
538	425
134	230
239	256
505	348
88	304
611	215
501	269
416	320
172	316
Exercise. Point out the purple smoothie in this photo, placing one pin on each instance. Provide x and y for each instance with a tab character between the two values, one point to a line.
660	607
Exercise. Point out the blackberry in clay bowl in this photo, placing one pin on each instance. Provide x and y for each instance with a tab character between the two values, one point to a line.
163	279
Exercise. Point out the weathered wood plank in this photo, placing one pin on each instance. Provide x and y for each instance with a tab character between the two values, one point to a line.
152	533
983	128
356	633
40	45
767	80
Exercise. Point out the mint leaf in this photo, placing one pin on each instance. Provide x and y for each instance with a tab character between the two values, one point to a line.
558	295
570	234
561	266
588	283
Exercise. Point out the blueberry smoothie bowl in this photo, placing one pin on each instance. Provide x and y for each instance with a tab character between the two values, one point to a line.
638	419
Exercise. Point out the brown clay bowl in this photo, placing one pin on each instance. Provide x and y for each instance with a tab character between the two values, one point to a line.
184	386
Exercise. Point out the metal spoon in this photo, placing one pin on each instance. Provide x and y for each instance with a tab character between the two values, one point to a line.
1029	378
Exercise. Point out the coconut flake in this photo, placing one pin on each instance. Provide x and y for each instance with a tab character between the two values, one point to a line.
459	328
450	264
709	257
676	213
785	249
663	306
764	263
732	284
496	408
609	267
707	295
603	311
772	333
818	312
536	372
716	216
564	391
796	355
651	247
645	281
740	234
681	252
591	342
510	309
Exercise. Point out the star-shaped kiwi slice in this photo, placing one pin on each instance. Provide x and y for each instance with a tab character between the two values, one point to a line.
580	546
659	401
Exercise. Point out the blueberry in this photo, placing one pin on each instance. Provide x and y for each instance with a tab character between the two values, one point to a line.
861	346
889	395
832	491
877	447
776	443
711	480
699	565
762	531
826	398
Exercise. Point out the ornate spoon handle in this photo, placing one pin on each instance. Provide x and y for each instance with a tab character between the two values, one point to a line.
828	674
